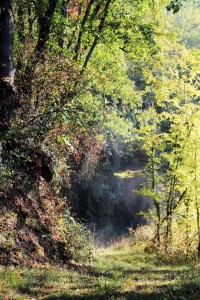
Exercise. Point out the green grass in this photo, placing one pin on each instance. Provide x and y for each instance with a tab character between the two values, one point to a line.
116	273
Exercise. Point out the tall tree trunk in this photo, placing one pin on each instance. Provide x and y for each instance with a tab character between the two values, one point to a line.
197	192
85	18
155	201
6	66
169	209
45	26
99	31
45	23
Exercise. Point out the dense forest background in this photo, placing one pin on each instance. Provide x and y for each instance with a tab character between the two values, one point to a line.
99	120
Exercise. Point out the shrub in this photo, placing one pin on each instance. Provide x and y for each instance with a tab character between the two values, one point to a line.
79	239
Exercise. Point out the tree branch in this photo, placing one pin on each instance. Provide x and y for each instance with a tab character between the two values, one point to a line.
84	20
100	28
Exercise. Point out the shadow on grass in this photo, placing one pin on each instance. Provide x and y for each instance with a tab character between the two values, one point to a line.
188	292
27	285
148	280
160	292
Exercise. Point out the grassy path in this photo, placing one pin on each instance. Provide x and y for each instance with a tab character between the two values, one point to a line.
116	273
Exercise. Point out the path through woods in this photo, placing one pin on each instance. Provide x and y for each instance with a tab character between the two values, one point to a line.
118	272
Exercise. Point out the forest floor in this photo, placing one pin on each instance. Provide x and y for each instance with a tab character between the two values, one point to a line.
117	272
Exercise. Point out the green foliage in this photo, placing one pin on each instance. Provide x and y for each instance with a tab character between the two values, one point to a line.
165	131
79	240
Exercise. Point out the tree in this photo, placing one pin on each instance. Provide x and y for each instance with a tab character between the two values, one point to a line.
7	93
167	131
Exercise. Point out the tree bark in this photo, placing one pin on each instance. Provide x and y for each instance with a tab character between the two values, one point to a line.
6	65
43	37
45	26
